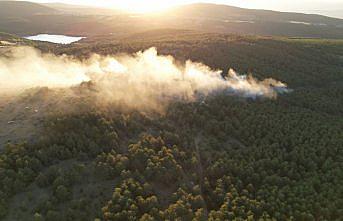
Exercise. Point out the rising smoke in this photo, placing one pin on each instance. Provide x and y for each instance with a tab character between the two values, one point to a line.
142	79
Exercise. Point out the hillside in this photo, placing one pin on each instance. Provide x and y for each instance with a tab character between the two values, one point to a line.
81	10
73	20
8	37
218	158
17	17
26	18
22	9
9	40
227	19
222	12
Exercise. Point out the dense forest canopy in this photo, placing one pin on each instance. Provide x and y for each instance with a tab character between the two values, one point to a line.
220	158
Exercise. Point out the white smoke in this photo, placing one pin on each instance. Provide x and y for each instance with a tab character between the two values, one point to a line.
25	67
144	78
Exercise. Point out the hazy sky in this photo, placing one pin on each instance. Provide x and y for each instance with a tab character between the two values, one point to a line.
281	5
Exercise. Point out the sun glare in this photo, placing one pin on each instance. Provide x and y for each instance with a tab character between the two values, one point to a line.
145	6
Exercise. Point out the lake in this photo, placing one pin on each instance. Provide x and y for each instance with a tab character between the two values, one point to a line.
58	39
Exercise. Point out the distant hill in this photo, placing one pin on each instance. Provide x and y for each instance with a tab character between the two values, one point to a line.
17	17
336	13
22	9
25	18
81	9
214	11
228	19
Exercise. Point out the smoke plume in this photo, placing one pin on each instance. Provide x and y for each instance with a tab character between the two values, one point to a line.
142	79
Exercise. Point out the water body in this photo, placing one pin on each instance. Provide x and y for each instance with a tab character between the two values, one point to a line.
58	39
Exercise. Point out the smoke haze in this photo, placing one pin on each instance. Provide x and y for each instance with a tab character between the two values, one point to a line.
25	67
142	79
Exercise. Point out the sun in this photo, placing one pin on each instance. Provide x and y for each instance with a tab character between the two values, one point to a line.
145	6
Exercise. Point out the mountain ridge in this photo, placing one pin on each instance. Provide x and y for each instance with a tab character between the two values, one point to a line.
23	8
261	13
215	18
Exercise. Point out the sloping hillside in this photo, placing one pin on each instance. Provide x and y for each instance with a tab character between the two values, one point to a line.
10	40
81	9
21	9
8	37
228	19
17	17
214	11
24	18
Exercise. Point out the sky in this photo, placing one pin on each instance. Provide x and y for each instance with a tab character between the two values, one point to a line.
307	6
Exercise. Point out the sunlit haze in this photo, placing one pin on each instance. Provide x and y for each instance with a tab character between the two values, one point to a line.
307	6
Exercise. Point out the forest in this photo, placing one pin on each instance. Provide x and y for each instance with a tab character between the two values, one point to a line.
219	158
